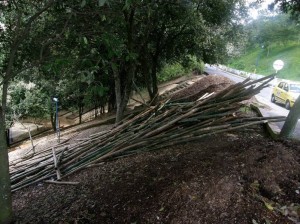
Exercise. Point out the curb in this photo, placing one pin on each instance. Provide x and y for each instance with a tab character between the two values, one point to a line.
271	128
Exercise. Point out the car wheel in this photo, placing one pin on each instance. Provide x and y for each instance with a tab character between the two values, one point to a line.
287	105
273	98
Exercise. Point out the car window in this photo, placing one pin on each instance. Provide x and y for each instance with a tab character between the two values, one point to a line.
286	87
280	85
295	88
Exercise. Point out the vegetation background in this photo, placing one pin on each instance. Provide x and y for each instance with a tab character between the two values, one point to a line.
92	54
270	37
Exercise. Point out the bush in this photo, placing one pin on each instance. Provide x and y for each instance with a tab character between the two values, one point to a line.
170	71
240	65
187	65
194	65
26	100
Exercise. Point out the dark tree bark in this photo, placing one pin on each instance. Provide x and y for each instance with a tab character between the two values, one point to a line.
22	32
53	119
119	113
80	110
153	76
123	93
291	121
5	192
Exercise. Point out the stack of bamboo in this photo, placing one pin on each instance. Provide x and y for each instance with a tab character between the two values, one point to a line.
168	123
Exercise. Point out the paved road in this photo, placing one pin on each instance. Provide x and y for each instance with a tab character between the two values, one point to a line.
263	97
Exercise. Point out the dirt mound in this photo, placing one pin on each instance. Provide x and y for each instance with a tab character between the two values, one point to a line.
208	84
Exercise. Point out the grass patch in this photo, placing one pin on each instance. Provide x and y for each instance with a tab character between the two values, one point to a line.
261	62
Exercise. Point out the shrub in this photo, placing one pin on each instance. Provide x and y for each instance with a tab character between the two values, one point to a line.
194	65
170	71
240	65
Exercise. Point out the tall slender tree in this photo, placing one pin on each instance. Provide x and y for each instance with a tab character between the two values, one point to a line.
21	24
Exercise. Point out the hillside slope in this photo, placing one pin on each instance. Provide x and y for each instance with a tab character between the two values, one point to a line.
259	60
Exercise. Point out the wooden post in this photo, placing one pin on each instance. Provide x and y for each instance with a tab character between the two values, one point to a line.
58	174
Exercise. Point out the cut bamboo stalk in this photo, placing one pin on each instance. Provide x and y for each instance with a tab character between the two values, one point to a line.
58	174
164	124
61	182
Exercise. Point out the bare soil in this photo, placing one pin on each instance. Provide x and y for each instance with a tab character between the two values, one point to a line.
236	177
207	84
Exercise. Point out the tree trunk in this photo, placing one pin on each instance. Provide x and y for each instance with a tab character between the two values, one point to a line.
122	95
147	77
5	192
53	119
119	113
154	77
150	77
149	85
291	121
5	188
80	112
95	111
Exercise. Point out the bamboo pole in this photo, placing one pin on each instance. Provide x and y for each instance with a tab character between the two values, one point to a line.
162	125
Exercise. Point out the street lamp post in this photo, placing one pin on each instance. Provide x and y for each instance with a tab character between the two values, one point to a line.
258	58
55	99
278	65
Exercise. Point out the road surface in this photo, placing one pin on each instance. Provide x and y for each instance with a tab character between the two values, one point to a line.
263	97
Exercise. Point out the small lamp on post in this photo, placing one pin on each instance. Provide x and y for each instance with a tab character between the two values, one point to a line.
55	99
277	65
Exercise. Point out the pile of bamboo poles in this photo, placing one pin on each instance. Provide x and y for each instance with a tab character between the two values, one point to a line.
168	123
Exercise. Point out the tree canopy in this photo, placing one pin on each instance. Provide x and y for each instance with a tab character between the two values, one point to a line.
287	6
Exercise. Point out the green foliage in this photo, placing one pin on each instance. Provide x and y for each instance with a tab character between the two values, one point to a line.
27	100
171	71
193	64
72	56
271	38
238	64
290	7
270	30
95	93
189	64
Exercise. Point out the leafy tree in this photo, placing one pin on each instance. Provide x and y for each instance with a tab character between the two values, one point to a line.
287	6
21	30
268	30
85	61
133	39
26	100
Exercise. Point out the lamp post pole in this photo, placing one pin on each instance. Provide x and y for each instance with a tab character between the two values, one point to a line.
258	58
57	122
